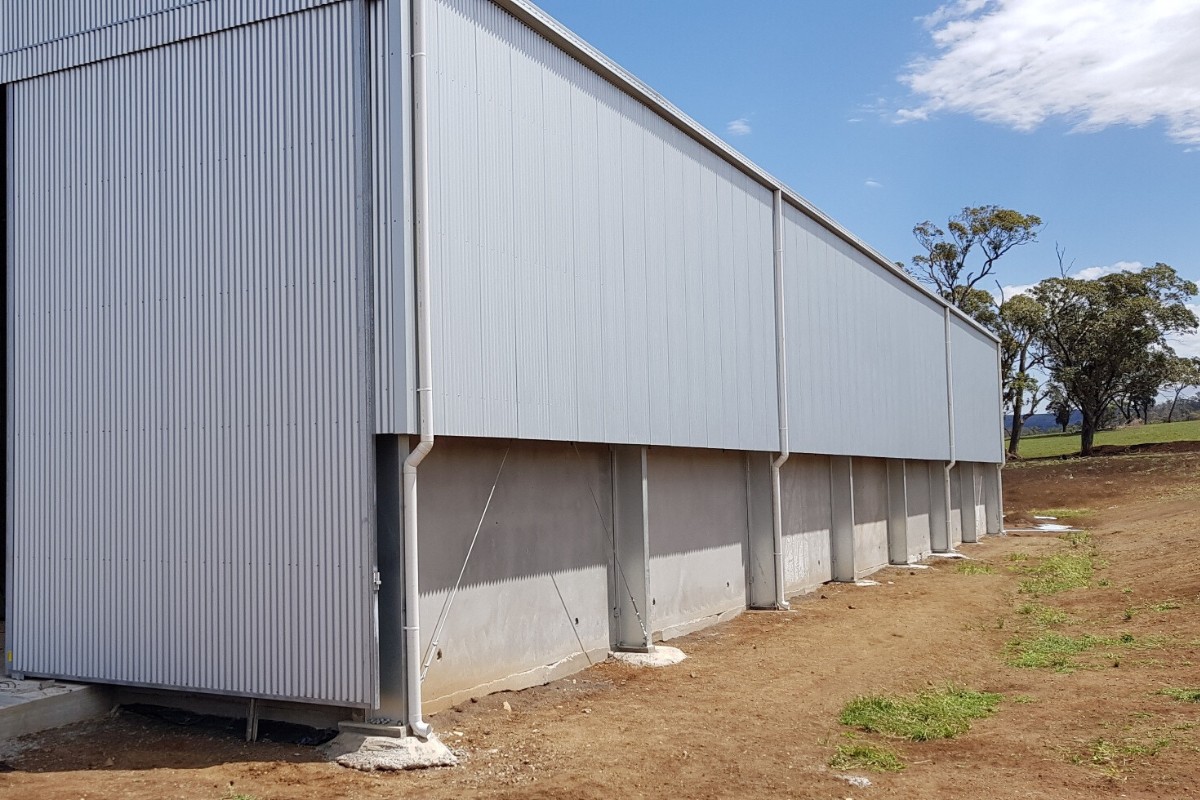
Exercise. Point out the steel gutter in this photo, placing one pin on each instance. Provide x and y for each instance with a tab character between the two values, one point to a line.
559	35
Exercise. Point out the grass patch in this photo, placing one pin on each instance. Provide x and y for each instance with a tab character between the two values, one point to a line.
1050	651
1065	444
862	755
1058	573
1168	605
975	568
1045	616
1057	651
941	714
1182	695
1018	556
1103	752
1024	699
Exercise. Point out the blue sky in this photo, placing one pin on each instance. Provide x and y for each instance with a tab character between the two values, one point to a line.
884	114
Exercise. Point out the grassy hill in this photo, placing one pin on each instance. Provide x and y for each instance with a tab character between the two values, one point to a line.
1064	444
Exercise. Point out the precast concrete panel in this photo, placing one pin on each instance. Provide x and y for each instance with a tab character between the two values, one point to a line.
533	600
190	491
808	522
917	486
978	433
870	515
599	275
698	537
956	520
42	36
866	370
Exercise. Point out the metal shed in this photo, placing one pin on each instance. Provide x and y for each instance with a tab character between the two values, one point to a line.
272	266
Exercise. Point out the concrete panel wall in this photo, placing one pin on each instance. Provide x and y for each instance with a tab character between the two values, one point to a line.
807	519
535	594
917	485
698	537
870	515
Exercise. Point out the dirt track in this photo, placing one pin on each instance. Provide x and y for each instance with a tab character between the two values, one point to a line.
753	711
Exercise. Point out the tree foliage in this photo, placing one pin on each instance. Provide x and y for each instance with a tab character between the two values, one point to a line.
958	258
1182	374
1098	333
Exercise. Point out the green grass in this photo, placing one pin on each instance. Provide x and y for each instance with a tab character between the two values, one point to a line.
1062	513
1057	651
1104	752
1057	573
941	714
1182	695
1169	605
1054	651
863	755
1044	616
1065	444
975	568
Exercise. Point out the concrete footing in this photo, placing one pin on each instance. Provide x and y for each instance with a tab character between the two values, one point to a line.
31	706
660	656
387	753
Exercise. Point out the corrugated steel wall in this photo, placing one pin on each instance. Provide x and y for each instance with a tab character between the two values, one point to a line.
600	276
866	365
190	409
391	114
977	423
40	36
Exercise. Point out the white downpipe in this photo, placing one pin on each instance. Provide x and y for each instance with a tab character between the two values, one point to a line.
950	411
412	594
784	445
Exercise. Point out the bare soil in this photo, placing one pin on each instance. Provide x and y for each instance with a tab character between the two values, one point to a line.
753	711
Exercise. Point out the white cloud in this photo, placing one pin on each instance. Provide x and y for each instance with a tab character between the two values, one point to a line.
871	183
739	127
1091	273
1094	63
1188	344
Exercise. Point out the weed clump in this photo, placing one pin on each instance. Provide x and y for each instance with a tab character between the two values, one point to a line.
941	714
1182	695
1058	573
975	568
863	755
1044	616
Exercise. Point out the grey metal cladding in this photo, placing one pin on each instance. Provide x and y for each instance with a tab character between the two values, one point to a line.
189	405
977	422
392	149
866	365
599	274
41	36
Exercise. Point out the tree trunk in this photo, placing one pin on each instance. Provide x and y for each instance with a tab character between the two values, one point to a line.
1087	433
1174	400
1014	439
1065	426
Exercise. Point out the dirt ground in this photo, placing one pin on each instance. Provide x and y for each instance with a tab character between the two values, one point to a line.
753	711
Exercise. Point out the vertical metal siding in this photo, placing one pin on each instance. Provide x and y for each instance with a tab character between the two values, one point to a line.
866	374
977	425
599	274
190	416
41	36
392	147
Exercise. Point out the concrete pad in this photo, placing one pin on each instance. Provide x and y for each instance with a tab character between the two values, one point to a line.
32	706
660	656
386	753
865	582
951	555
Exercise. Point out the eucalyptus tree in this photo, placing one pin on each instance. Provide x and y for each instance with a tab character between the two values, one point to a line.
1098	332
